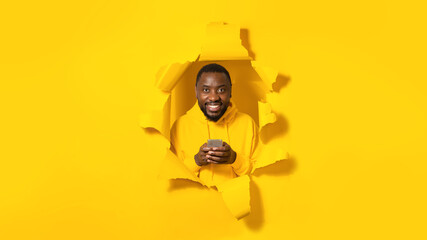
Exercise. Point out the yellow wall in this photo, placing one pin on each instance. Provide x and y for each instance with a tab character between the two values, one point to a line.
75	165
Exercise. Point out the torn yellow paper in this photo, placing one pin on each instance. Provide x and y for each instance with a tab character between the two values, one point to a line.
172	168
268	155
170	75
235	193
157	117
267	74
266	116
223	43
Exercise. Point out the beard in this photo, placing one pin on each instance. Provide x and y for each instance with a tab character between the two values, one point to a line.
213	118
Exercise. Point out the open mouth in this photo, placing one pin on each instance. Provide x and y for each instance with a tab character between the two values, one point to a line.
213	107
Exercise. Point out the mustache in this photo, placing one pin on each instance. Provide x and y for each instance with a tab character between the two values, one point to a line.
213	102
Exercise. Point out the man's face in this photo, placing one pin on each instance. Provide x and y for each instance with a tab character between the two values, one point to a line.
213	92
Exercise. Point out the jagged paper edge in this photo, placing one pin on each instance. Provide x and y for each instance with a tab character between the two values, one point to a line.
236	195
216	47
266	116
155	120
173	168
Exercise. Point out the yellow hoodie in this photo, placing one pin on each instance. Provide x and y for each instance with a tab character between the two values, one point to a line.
238	129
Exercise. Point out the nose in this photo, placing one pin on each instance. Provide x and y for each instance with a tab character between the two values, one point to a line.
213	96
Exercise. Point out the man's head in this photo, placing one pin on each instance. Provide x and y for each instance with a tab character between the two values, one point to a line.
213	91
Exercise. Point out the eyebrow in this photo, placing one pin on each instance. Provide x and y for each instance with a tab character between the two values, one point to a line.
223	85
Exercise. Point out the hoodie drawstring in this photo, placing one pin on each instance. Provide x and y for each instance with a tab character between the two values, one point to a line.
209	137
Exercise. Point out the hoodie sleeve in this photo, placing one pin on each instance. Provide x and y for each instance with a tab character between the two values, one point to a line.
241	165
176	148
245	161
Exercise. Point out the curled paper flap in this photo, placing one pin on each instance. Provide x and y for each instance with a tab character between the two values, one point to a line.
170	75
269	155
223	43
266	116
267	74
173	168
158	117
236	195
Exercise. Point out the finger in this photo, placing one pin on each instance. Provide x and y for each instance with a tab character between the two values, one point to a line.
212	161
226	145
205	149
209	159
219	154
218	159
206	160
222	149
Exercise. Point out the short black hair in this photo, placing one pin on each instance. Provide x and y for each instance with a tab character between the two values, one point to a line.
213	67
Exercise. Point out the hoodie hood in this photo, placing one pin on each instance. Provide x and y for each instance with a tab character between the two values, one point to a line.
196	113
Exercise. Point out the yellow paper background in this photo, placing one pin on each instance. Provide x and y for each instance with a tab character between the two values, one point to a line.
75	76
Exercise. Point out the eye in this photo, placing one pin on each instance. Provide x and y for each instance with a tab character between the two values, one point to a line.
221	90
205	90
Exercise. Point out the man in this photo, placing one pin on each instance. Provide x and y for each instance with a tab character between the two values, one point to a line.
215	116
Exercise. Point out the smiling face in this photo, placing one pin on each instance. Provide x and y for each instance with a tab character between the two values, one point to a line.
213	92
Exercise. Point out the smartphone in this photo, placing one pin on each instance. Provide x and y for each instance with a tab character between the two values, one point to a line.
214	142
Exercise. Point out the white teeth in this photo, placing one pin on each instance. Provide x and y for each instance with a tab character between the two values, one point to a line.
212	107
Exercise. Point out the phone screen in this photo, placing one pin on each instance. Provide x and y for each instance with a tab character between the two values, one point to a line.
214	143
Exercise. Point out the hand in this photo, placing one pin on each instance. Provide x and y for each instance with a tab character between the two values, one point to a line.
200	158
215	155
